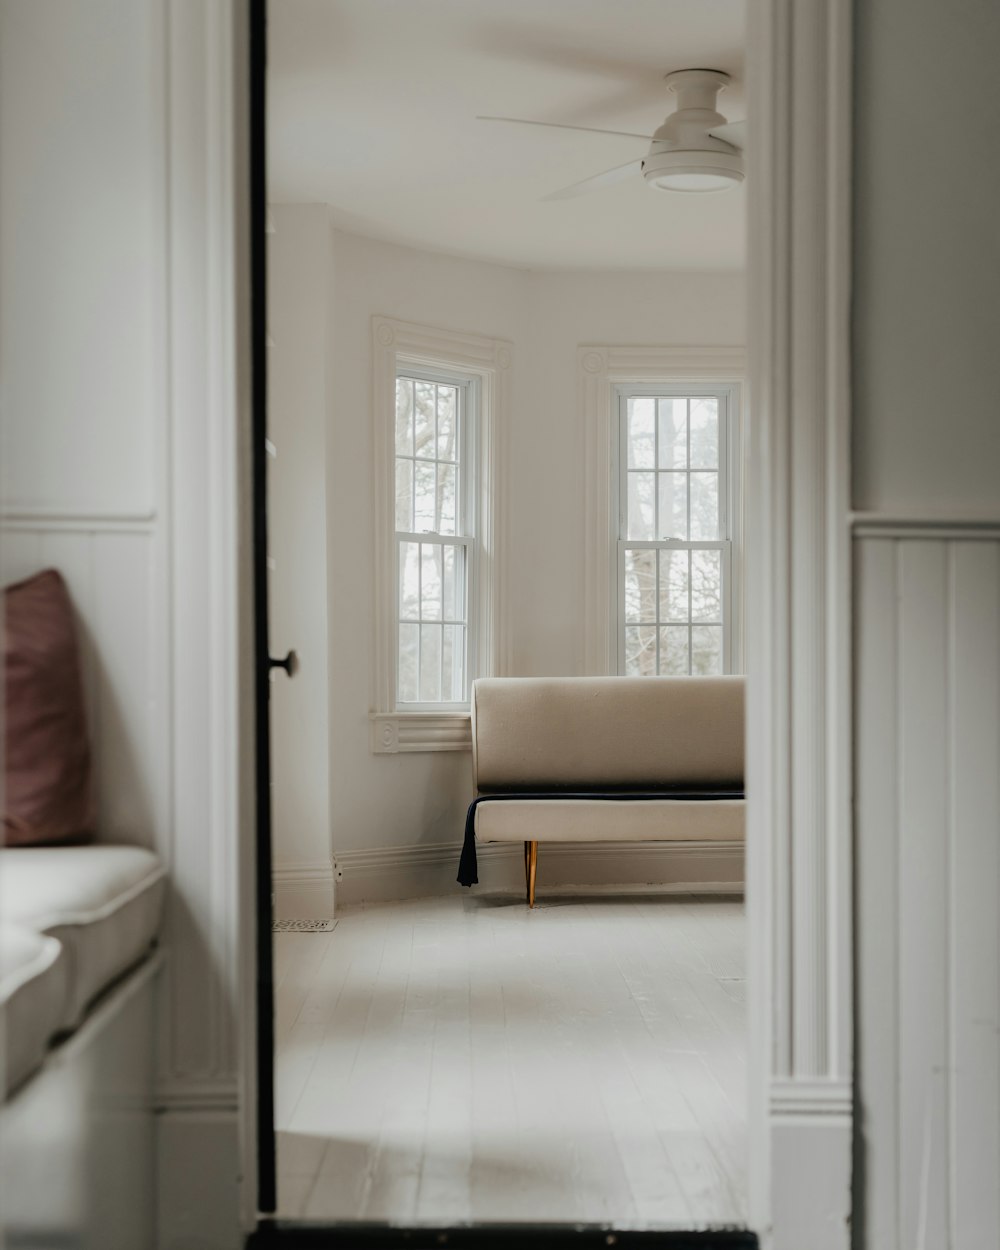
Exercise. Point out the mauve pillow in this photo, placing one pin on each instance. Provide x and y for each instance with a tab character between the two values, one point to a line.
48	796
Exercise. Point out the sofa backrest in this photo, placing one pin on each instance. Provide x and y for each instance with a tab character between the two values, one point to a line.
607	731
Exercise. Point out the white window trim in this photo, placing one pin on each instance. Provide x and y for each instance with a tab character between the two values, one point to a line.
601	369
401	344
731	507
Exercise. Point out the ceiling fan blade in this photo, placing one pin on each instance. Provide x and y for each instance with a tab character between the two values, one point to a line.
732	132
607	179
590	130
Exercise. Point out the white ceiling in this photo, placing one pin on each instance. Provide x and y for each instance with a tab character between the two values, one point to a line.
372	107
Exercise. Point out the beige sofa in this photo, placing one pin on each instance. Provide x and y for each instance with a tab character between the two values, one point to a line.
600	759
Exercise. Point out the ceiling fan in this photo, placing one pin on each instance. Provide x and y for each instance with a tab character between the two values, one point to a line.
695	150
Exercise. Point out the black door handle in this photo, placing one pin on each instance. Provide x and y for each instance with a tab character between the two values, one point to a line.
290	663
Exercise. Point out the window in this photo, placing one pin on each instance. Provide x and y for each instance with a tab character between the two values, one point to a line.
440	401
435	532
675	501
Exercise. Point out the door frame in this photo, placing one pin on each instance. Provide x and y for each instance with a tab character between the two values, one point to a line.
799	732
798	623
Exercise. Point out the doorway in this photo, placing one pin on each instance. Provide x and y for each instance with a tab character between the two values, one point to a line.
359	865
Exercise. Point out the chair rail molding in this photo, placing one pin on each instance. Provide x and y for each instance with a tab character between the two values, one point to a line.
599	369
799	860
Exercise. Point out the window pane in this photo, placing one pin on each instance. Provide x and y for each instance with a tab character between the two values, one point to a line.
673	585
640	650
640	585
452	663
674	650
407	663
453	584
673	505
706	586
404	417
672	417
706	650
409	582
704	506
430	663
641	435
423	393
425	497
430	581
404	495
705	433
447	502
447	441
640	506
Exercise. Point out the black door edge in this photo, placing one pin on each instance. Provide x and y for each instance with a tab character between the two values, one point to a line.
266	1180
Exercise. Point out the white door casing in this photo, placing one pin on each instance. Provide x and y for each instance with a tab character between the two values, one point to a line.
798	625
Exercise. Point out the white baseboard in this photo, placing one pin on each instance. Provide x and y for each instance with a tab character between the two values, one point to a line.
198	1178
304	891
810	1165
385	873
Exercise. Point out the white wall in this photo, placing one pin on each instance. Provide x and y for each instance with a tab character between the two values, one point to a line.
547	484
299	283
400	800
927	256
926	444
118	325
417	801
84	170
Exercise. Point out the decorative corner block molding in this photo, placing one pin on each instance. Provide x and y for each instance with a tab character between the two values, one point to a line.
795	1098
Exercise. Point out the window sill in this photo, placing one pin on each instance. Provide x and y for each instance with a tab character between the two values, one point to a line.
392	733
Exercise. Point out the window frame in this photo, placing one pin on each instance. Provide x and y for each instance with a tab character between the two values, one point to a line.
468	415
406	347
730	508
600	368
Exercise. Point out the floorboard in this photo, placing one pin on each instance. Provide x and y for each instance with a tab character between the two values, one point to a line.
442	1061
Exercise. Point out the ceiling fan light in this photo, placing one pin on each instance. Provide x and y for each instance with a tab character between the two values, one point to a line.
692	171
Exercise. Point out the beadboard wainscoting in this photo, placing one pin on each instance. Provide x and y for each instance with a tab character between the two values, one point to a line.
384	873
928	852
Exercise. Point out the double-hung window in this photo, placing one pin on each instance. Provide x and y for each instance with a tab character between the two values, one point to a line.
676	503
440	400
435	548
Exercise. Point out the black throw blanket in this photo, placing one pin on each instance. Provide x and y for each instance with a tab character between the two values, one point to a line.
468	869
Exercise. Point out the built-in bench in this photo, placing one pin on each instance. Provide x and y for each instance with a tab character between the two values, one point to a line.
604	759
75	920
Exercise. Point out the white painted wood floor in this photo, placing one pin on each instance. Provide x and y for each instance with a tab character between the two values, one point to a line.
462	1058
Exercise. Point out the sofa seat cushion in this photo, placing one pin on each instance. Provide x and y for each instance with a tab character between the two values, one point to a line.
610	820
103	903
34	987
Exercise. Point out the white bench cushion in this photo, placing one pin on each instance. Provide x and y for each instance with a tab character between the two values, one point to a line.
610	820
103	903
34	988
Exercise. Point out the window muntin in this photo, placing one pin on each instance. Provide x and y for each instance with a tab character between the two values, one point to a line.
434	532
674	535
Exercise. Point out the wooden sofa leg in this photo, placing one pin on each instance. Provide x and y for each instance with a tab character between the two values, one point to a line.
531	858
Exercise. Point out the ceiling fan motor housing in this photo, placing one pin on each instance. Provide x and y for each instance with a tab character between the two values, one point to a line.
684	155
